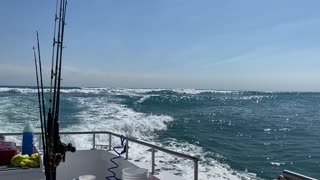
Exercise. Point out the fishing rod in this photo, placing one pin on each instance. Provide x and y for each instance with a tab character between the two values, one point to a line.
43	132
56	73
42	91
51	126
40	104
54	150
50	121
52	61
57	148
56	121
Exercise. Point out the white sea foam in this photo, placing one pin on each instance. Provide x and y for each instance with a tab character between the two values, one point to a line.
105	115
115	91
199	91
267	130
82	91
256	98
101	114
284	129
123	120
277	163
14	115
134	91
180	91
144	98
253	97
21	90
17	90
209	168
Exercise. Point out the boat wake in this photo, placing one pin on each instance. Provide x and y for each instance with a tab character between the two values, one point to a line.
116	117
108	112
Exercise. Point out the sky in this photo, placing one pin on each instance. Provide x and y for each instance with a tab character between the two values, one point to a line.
269	45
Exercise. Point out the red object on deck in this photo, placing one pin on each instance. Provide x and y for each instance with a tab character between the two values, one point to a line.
7	151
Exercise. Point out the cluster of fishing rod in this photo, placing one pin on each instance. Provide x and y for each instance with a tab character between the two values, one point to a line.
54	150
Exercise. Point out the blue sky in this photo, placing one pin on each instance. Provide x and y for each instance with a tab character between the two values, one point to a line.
228	45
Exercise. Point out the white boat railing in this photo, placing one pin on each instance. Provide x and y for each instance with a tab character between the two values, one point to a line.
290	175
153	147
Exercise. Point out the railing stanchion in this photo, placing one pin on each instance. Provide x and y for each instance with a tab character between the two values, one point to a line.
40	141
195	169
127	148
109	142
94	141
152	160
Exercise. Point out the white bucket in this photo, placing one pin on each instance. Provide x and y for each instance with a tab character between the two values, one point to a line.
134	174
87	177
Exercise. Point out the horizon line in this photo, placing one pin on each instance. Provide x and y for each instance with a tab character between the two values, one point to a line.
209	89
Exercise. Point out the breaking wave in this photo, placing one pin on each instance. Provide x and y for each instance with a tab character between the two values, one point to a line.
113	91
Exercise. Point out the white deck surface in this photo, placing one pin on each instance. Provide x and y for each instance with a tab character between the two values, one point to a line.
83	162
163	175
96	162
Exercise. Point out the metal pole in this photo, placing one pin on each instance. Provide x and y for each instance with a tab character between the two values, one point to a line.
94	141
152	160
109	142
195	169
127	149
40	141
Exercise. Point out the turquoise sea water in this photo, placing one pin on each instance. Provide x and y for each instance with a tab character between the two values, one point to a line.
238	134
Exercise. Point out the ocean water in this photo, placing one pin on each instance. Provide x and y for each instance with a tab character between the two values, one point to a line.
237	134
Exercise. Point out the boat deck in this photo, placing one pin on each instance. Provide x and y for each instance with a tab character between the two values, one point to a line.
96	162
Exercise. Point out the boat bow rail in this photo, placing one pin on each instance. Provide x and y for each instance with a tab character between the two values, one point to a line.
153	147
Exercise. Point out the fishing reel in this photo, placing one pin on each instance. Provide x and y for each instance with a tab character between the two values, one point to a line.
60	156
